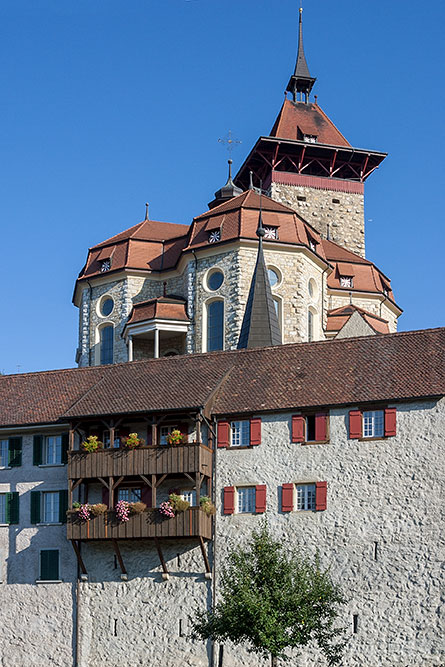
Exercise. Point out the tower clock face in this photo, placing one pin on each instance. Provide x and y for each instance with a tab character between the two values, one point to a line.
215	236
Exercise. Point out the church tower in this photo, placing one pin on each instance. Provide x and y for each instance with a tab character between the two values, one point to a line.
307	164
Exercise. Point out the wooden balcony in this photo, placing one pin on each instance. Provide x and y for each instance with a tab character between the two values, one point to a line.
193	523
190	458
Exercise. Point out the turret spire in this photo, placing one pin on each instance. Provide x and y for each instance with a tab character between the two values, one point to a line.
301	81
260	326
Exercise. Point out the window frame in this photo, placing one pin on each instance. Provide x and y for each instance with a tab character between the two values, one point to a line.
244	427
130	489
374	421
306	486
169	428
3	442
101	348
59	447
192	494
305	416
206	320
43	519
251	498
4	496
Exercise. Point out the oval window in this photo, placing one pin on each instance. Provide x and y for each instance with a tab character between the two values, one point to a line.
273	277
215	280
107	306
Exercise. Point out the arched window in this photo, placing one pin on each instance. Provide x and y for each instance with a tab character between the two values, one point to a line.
277	303
215	325
311	325
106	344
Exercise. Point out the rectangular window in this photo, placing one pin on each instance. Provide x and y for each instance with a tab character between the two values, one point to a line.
246	496
164	432
310	428
106	439
305	497
50	507
240	433
131	495
52	451
373	424
49	565
190	496
2	507
4	453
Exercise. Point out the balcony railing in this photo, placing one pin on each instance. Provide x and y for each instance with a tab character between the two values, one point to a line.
194	522
189	458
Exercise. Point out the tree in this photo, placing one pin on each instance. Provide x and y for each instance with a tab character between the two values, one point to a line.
273	600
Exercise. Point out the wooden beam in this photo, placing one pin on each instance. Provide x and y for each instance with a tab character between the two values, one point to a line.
161	556
160	480
153	490
146	480
115	484
79	557
204	555
119	556
189	477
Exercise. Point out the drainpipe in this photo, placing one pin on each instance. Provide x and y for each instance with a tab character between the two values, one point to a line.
195	297
322	297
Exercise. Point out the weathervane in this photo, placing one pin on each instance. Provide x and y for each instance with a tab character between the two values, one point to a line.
230	142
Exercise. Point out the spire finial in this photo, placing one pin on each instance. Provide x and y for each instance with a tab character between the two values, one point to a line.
230	162
146	211
301	81
251	180
260	229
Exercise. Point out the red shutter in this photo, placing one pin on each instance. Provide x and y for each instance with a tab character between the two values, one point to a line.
260	498
298	424
255	431
355	424
229	499
287	497
321	495
321	426
105	496
223	434
146	495
390	421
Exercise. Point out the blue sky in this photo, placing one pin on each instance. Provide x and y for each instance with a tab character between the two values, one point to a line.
108	104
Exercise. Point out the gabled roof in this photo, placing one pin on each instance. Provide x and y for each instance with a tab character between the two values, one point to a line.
147	230
337	318
298	118
349	371
162	308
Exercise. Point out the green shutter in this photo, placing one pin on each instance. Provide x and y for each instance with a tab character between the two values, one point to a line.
63	505
12	507
35	506
15	452
37	450
49	564
65	444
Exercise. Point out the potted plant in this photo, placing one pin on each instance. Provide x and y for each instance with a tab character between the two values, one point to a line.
175	437
178	504
207	506
138	507
92	444
132	441
98	509
166	510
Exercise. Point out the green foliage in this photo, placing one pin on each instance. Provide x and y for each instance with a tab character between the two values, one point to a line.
272	600
178	504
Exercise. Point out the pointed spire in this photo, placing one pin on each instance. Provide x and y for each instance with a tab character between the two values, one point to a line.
301	80
260	326
228	191
146	211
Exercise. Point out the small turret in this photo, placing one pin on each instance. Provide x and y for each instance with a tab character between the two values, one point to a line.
301	81
228	191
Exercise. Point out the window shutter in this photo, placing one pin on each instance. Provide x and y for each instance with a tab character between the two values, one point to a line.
321	496
355	424
390	421
223	434
35	506
65	445
255	431
63	505
146	495
49	564
15	452
105	496
229	499
321	426
260	498
12	507
287	497
298	424
37	453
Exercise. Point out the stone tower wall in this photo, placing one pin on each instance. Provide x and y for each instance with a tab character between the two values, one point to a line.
346	219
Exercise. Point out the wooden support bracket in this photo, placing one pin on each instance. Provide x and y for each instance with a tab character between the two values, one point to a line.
165	574
76	547
204	555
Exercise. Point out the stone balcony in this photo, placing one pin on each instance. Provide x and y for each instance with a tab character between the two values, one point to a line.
193	523
161	460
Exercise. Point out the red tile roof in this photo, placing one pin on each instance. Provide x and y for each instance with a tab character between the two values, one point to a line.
163	308
338	317
350	371
297	119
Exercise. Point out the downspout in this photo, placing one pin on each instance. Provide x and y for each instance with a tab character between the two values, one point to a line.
195	299
322	298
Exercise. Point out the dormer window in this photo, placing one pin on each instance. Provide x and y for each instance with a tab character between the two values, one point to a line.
345	281
310	138
215	236
271	233
105	265
312	244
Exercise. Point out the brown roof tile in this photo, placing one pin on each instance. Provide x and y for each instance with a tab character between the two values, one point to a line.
390	367
297	118
338	317
164	308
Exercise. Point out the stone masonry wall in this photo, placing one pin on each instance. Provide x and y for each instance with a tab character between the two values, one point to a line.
345	219
380	533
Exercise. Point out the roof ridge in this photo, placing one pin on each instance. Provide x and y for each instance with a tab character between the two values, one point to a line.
330	121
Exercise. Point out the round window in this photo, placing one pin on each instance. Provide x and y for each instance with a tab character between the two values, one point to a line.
312	288
106	307
215	280
273	277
